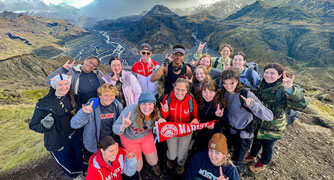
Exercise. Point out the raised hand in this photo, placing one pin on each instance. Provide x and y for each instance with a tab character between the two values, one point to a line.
67	65
164	107
192	62
88	109
161	120
200	47
167	60
114	77
219	112
248	101
221	175
287	82
126	122
190	80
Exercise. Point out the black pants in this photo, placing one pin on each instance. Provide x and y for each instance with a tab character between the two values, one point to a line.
70	158
240	146
134	177
267	149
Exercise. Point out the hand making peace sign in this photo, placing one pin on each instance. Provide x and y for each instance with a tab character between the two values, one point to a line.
219	111
200	47
221	177
287	82
87	109
126	122
164	107
248	101
67	65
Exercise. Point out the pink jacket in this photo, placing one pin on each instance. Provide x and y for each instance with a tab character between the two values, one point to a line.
131	87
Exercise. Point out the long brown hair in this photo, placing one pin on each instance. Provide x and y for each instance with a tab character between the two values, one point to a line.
140	116
218	99
231	73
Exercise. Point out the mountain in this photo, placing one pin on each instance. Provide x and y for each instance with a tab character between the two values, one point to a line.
160	27
22	34
283	33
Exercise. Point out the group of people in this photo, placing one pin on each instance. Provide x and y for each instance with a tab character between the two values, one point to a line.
100	126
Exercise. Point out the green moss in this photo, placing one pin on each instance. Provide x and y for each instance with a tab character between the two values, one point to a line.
34	94
19	145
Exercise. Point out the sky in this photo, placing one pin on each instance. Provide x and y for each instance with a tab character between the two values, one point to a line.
98	9
75	3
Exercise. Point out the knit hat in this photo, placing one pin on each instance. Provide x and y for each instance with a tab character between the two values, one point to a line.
59	77
218	143
146	96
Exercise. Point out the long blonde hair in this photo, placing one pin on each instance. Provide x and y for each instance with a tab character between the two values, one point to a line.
140	116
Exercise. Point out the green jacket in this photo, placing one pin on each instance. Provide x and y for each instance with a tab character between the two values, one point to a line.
275	129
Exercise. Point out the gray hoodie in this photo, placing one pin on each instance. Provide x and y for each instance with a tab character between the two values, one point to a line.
133	131
239	117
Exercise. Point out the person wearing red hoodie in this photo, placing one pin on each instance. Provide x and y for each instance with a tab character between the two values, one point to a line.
176	107
111	162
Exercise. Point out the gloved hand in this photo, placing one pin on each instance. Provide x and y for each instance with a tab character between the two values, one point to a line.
48	121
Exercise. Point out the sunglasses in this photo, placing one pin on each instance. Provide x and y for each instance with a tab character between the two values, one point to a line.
144	53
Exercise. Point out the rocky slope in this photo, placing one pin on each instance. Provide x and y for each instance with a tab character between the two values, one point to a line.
22	34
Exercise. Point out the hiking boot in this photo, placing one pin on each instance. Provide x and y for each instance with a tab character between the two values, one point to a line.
180	169
156	170
80	177
249	158
170	164
258	167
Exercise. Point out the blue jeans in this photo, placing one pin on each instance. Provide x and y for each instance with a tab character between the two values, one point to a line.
267	149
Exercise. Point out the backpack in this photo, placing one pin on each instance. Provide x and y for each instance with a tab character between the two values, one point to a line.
252	66
256	122
291	114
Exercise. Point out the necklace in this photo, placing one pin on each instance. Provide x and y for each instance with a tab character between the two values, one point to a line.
61	103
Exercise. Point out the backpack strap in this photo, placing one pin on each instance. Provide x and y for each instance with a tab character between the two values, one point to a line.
244	93
216	63
191	106
279	96
249	76
190	102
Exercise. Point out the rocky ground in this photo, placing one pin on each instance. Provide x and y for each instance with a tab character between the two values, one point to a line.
306	152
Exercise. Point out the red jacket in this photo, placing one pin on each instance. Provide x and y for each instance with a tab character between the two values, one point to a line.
179	111
143	73
99	170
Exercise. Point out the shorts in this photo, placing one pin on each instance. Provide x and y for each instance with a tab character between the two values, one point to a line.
144	144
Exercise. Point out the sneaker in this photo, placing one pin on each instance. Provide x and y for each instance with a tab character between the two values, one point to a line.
180	170
170	164
249	158
156	170
80	177
258	167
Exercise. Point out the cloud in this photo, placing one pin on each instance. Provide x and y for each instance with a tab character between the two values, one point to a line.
110	9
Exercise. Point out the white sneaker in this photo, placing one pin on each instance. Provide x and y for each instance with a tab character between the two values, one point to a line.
80	177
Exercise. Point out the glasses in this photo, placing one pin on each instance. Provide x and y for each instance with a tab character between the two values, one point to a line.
144	53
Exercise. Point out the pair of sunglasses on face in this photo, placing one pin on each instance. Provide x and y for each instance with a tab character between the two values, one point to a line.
144	53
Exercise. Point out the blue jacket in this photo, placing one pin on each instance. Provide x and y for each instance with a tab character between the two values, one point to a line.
92	123
200	167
